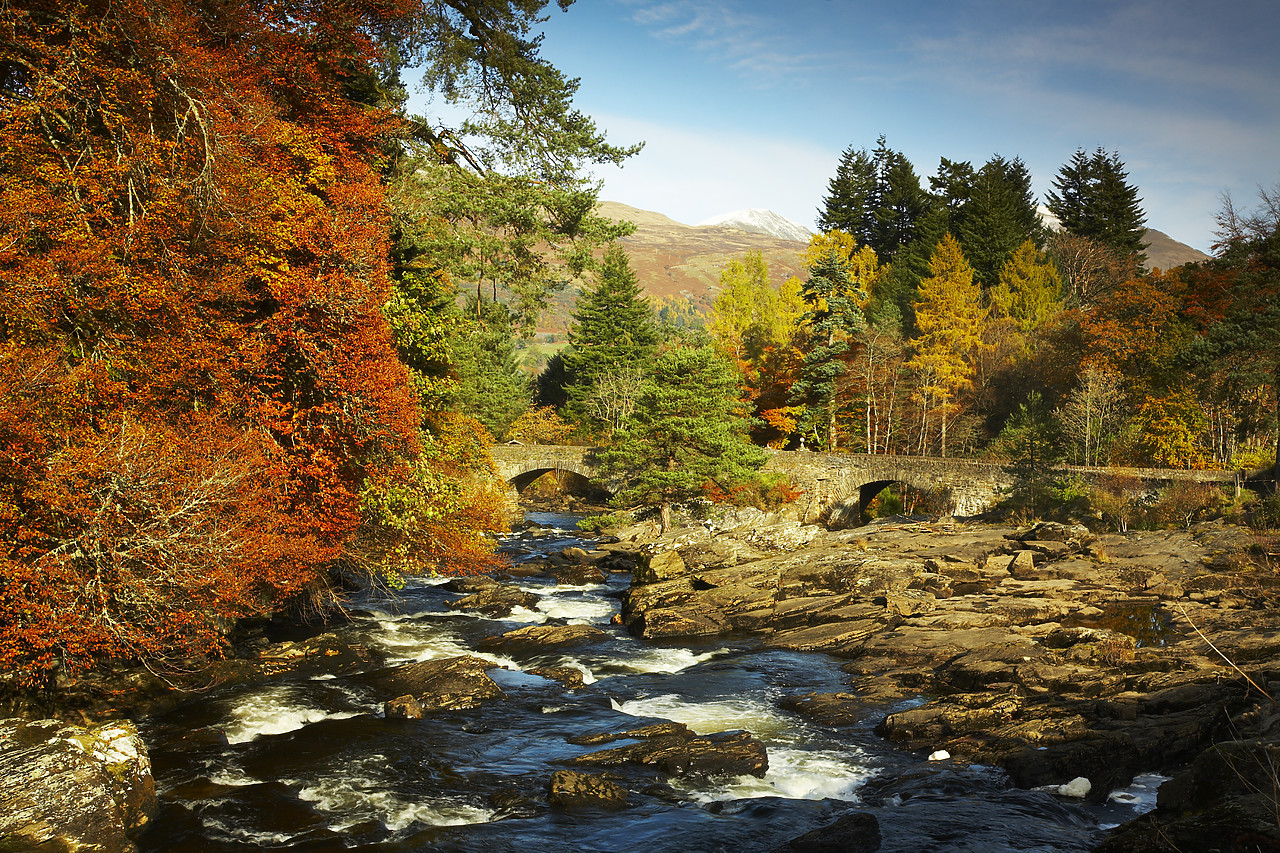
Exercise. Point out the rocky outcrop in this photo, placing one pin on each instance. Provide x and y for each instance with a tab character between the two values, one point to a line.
67	787
447	684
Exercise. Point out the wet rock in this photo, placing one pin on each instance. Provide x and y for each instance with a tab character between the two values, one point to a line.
403	707
667	729
579	575
1226	800
571	790
852	833
322	654
660	566
497	600
469	585
451	684
566	675
541	639
721	754
72	788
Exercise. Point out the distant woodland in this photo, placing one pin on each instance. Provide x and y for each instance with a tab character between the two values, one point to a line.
259	325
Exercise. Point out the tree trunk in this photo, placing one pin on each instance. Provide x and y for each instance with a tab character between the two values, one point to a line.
664	516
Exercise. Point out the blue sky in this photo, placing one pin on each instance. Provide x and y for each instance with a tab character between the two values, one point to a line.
749	103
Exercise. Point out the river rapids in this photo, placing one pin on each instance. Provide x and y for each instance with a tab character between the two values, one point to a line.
311	763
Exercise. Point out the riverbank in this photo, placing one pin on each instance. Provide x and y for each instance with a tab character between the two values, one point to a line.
1050	652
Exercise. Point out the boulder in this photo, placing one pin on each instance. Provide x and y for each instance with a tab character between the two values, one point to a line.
438	685
403	707
720	754
569	789
661	566
497	600
566	675
541	639
579	574
68	787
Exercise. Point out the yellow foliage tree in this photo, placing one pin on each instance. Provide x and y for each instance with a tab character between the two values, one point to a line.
949	319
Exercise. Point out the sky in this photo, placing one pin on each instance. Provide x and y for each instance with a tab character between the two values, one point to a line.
749	103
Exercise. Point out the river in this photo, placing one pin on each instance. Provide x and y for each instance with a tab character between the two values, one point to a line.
311	764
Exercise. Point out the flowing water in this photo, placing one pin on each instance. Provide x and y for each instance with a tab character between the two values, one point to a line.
310	763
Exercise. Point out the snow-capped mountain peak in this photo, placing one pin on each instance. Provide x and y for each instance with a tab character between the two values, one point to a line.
757	221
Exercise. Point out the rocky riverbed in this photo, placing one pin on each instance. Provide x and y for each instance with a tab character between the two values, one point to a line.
1049	651
520	709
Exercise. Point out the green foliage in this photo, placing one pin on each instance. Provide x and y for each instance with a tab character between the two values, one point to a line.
604	521
613	330
688	430
1030	442
1095	199
1029	290
828	329
993	215
491	386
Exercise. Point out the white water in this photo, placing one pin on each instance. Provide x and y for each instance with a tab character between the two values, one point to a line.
794	771
358	795
275	711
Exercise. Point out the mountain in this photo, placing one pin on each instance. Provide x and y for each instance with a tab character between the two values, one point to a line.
757	221
1162	250
673	259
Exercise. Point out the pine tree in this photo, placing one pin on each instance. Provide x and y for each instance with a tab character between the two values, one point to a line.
949	323
613	329
997	216
1094	199
688	429
877	198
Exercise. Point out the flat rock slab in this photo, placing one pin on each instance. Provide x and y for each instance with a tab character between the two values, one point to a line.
720	754
541	639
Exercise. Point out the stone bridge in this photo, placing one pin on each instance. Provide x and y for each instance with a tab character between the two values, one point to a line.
837	486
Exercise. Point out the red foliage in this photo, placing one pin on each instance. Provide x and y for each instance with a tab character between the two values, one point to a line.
193	244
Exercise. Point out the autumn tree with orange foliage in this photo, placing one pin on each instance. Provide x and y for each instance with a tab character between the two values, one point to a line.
202	412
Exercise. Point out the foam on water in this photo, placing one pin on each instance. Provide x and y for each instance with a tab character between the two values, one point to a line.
664	660
275	711
580	611
715	715
1140	795
358	797
795	775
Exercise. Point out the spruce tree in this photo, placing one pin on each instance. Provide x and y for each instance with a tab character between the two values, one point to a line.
491	387
689	428
613	329
1094	199
852	197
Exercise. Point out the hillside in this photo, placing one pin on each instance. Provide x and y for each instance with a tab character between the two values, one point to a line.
674	260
